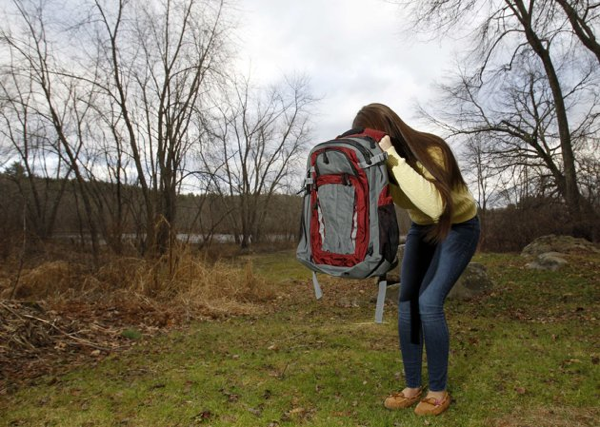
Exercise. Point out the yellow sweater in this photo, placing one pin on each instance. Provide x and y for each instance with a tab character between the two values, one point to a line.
420	198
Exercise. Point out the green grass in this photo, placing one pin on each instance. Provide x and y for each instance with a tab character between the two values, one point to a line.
525	355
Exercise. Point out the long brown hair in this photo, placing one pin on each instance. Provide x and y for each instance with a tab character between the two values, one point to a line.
416	146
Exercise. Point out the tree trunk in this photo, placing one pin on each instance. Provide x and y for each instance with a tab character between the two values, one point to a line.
571	191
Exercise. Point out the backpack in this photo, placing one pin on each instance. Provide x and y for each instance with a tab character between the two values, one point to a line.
348	223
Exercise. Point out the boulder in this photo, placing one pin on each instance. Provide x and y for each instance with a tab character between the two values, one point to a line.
561	244
392	294
473	282
400	252
548	261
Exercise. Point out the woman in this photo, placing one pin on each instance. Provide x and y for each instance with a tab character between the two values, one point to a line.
427	182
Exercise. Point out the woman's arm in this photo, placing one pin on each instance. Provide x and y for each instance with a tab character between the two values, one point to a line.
421	192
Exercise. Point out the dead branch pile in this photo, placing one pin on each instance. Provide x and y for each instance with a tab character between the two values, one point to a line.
29	332
82	314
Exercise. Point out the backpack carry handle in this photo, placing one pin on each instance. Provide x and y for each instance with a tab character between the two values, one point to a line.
375	135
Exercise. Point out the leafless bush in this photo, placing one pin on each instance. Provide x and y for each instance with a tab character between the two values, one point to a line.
512	228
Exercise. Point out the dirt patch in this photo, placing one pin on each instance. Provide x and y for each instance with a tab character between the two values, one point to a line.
549	417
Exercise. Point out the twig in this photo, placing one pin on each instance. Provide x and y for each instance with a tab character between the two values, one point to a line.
79	340
22	257
282	375
11	310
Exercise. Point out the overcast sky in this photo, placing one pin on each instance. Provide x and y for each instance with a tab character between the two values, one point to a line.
353	51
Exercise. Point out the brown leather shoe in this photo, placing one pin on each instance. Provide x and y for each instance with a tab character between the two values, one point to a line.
432	406
399	401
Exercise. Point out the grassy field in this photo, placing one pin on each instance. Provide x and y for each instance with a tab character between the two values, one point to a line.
527	354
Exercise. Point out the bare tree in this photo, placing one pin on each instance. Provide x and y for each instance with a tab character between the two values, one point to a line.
159	60
254	144
584	16
552	84
108	176
480	167
589	166
40	188
61	103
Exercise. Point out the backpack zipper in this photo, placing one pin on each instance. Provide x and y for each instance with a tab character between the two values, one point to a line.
364	151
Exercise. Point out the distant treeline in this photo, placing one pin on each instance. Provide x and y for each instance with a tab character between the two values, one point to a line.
44	209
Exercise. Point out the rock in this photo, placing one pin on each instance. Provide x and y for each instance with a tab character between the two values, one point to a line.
392	294
548	261
562	244
400	252
474	281
346	302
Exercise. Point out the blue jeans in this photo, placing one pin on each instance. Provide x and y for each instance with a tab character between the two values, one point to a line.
429	271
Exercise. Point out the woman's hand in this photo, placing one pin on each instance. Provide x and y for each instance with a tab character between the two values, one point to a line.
385	143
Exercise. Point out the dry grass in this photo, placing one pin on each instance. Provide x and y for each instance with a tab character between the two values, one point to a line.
46	280
181	278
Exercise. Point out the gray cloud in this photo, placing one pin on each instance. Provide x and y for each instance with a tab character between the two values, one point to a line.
354	52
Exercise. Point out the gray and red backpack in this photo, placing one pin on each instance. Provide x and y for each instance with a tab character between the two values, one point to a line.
348	226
